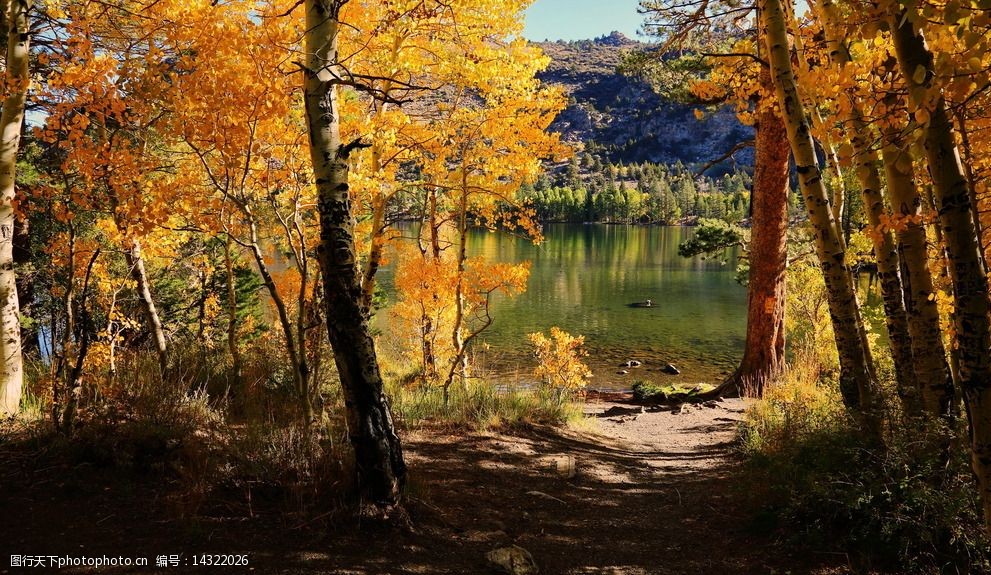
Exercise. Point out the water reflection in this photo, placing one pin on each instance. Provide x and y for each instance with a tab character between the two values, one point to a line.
583	279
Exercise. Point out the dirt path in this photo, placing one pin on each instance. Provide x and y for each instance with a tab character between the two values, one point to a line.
637	492
651	492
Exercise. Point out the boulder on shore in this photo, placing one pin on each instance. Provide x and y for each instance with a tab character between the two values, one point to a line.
513	560
618	410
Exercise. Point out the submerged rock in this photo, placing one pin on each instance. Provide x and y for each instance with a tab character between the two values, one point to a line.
670	369
631	363
513	560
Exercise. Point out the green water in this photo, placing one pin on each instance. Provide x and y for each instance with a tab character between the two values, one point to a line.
584	277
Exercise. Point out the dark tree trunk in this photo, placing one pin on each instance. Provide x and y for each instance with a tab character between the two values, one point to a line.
378	451
25	286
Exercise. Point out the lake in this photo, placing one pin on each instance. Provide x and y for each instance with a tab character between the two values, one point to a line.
584	277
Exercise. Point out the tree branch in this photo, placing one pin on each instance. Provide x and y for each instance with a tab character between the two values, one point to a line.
729	154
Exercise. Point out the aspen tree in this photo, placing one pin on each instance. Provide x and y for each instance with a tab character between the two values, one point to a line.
886	255
931	368
378	451
858	384
972	323
16	83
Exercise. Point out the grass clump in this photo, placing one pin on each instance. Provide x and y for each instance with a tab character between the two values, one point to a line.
481	405
649	392
908	507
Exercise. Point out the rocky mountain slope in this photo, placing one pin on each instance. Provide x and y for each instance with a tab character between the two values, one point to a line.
623	117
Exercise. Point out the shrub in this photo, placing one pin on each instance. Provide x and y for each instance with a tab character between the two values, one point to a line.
807	323
289	463
906	507
559	361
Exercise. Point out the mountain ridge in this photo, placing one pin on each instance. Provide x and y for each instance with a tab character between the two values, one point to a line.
622	118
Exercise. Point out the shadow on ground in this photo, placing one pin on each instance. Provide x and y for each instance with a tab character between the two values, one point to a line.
581	503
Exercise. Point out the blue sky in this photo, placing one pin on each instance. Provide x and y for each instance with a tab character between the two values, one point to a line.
581	19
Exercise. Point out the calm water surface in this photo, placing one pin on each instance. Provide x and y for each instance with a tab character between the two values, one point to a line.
584	277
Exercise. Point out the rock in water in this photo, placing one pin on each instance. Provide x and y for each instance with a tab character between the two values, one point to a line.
631	363
622	372
670	369
513	560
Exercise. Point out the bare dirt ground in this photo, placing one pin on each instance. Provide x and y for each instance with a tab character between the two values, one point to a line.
636	491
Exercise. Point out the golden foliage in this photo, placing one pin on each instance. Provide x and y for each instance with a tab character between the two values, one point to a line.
559	361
